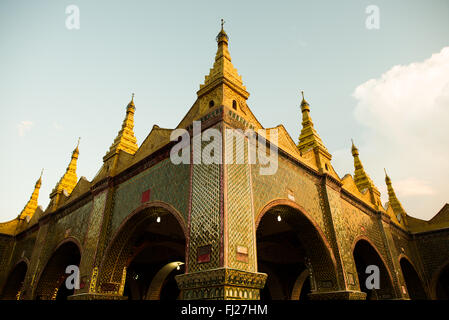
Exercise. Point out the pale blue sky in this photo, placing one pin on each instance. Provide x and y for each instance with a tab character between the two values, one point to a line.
71	83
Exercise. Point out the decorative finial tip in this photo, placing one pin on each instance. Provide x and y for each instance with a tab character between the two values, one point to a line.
42	172
222	23
79	139
302	92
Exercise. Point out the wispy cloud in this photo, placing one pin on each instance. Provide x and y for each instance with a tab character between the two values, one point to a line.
406	115
24	126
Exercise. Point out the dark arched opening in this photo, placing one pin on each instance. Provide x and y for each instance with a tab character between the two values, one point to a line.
145	256
52	282
442	285
365	255
289	245
412	281
14	284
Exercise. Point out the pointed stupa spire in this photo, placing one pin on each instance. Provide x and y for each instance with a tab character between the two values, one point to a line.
69	179
31	206
394	201
362	179
309	138
125	139
223	71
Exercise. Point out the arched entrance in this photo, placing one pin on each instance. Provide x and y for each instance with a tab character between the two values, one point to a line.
366	255
414	285
146	255
51	285
293	252
14	285
442	284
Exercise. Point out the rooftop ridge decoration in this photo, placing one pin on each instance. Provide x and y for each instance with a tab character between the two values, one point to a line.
394	202
31	206
125	139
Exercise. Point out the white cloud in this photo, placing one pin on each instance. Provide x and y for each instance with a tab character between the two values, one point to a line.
24	127
413	187
406	113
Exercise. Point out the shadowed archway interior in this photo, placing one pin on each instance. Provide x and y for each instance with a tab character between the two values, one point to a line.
412	281
51	284
365	255
288	246
150	247
13	287
442	286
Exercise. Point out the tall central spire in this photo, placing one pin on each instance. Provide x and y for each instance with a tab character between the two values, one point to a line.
223	71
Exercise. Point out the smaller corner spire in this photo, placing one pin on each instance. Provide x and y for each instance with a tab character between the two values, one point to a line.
394	201
361	179
31	205
222	37
125	139
69	179
309	137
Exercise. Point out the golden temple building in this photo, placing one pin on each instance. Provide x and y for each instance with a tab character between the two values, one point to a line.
147	228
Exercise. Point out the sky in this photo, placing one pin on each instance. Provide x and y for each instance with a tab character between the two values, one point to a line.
387	87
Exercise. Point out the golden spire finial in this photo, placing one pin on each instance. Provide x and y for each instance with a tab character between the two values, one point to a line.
355	151
222	37
304	103
131	103
308	138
